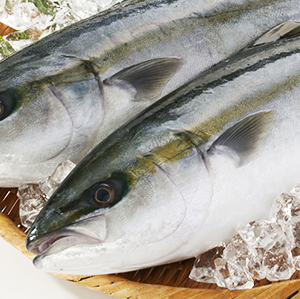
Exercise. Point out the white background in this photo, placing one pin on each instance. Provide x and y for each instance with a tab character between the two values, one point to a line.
20	280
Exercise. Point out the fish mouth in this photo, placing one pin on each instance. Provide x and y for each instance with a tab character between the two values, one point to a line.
82	232
44	243
72	238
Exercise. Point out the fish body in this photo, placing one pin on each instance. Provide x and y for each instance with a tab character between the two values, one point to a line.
185	173
54	102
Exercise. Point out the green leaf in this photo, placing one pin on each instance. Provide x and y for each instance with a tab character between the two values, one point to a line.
5	48
18	35
44	6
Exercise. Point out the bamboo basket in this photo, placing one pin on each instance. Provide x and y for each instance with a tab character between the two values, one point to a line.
167	281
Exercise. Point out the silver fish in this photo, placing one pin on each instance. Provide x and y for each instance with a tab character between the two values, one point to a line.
186	172
62	95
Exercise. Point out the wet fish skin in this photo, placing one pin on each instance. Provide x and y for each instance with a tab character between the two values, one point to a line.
224	144
200	32
133	23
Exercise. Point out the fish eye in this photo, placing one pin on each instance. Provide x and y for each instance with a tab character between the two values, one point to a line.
104	195
7	105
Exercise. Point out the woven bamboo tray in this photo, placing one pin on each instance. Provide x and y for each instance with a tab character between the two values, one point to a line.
167	281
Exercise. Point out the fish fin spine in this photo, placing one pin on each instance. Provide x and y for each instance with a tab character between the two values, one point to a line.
244	137
284	30
148	78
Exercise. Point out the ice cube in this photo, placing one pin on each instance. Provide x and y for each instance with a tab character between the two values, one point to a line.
237	251
255	266
231	275
32	200
278	263
204	267
34	196
281	209
49	185
261	233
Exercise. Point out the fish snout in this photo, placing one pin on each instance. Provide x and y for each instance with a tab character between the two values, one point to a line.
36	245
88	231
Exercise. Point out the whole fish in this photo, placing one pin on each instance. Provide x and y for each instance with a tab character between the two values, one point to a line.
186	172
62	95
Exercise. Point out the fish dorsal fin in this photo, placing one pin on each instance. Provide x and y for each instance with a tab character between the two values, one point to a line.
147	78
285	30
243	137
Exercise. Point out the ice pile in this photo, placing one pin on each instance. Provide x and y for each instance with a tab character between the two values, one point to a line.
34	196
38	18
22	15
262	249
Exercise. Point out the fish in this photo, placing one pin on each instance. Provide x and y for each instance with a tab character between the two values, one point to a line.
64	94
186	172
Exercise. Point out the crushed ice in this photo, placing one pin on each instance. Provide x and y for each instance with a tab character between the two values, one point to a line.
38	19
32	200
34	196
262	249
49	185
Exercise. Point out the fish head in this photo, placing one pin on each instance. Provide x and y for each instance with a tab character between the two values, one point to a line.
115	224
46	121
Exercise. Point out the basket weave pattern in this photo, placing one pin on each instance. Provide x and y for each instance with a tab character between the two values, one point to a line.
167	281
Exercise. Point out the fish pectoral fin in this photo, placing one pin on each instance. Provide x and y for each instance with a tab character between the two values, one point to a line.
243	138
147	78
287	29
